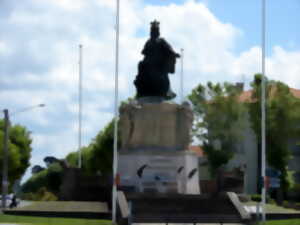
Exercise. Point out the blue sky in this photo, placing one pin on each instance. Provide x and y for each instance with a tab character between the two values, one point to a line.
39	55
282	20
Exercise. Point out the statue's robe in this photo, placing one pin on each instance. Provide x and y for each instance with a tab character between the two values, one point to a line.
160	54
159	60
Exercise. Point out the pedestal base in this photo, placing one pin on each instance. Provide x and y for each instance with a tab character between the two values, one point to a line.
152	171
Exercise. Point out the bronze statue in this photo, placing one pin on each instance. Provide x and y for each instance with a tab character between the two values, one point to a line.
159	60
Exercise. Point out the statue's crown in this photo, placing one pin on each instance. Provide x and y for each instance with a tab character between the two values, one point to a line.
155	24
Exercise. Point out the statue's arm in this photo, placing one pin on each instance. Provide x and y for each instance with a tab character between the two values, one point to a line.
145	49
169	48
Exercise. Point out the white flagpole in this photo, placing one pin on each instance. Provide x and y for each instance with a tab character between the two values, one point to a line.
181	77
263	112
80	107
115	153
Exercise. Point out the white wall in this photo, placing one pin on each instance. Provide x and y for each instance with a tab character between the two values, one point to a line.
160	164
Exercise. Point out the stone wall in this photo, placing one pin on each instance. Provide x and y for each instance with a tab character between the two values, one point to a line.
77	186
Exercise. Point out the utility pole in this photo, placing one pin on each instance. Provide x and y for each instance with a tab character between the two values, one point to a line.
5	158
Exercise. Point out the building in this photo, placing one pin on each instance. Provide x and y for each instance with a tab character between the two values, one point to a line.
248	158
248	152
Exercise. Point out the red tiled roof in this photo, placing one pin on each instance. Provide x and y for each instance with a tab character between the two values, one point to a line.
295	92
246	95
197	149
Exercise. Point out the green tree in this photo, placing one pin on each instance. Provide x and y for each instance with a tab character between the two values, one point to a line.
282	117
50	178
102	150
219	121
98	155
86	156
19	151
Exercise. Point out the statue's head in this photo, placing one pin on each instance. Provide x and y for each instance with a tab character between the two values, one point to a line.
154	33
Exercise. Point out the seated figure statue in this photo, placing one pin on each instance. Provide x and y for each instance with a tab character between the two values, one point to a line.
159	60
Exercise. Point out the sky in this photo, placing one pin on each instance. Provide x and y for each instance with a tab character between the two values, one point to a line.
39	56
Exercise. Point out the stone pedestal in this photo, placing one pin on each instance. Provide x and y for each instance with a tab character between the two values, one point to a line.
163	126
154	142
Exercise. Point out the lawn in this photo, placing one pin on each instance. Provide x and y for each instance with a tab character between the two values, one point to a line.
271	208
284	222
27	220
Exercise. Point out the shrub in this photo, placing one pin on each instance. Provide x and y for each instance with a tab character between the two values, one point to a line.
48	196
256	198
286	204
28	196
271	201
41	195
50	178
297	206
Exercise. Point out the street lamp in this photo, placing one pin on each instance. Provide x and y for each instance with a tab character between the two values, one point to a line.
5	151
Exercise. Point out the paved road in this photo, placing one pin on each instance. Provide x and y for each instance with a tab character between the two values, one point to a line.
20	204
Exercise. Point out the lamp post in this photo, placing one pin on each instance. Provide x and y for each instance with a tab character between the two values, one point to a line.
5	182
5	158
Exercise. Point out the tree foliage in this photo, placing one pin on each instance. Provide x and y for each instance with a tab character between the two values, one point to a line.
282	117
98	155
102	153
19	151
219	120
50	160
37	169
50	178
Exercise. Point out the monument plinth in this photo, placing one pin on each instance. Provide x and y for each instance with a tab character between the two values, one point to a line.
155	133
163	126
154	154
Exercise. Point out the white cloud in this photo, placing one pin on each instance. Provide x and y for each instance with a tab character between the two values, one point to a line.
70	5
284	65
4	48
280	65
248	62
40	55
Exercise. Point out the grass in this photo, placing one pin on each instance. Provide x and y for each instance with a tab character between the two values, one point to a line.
270	208
28	220
284	222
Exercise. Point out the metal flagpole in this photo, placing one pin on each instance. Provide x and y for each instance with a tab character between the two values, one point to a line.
263	112
80	107
181	77
115	154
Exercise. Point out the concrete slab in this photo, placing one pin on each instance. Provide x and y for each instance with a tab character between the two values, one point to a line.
186	224
63	206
